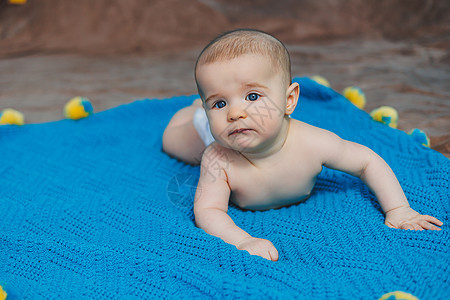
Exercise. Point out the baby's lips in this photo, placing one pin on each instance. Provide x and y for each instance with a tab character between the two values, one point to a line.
239	130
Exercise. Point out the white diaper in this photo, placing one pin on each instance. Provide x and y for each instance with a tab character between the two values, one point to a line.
201	124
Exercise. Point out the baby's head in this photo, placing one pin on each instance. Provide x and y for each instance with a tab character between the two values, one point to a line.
235	43
244	80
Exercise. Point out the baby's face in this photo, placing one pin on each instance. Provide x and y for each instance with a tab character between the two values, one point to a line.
245	101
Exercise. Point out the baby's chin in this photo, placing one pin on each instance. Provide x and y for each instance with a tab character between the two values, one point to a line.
243	143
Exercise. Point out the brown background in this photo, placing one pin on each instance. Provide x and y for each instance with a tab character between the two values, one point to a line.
116	51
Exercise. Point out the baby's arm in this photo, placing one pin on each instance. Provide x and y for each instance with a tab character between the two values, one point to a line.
362	162
211	206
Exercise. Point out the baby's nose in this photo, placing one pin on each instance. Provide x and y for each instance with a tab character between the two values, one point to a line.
236	112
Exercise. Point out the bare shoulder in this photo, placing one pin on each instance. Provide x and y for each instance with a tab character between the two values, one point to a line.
216	160
335	152
316	143
314	137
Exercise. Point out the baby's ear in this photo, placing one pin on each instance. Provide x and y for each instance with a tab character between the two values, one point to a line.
292	94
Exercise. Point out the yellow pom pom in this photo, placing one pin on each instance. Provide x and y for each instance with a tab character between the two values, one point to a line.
11	116
17	2
2	293
320	80
77	108
398	295
355	95
386	115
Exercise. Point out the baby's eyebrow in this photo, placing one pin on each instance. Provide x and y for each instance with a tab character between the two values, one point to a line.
211	97
254	85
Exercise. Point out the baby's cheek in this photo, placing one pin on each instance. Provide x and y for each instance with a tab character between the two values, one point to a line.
216	132
266	112
219	136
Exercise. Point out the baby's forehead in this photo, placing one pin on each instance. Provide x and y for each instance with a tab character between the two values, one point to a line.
244	68
262	61
258	74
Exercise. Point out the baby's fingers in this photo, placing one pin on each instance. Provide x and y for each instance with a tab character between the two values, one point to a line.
433	220
273	253
428	226
264	254
408	226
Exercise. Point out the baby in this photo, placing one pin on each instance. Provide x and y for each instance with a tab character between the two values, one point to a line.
253	154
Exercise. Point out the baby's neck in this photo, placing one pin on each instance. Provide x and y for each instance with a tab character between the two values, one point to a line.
272	151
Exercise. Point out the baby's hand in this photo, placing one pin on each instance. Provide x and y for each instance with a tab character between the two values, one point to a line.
260	247
408	218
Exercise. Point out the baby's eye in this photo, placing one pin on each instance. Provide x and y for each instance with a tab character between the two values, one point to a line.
219	104
252	97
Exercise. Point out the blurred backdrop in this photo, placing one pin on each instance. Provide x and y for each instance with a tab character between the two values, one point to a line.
117	51
123	26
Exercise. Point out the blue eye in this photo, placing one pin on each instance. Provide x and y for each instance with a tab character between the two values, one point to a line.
219	104
252	97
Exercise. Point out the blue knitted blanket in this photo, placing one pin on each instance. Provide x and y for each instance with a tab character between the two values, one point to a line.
94	209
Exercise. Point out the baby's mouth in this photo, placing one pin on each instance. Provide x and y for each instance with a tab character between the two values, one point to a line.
240	130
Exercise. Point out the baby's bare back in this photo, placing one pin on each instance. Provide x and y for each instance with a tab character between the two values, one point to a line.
286	177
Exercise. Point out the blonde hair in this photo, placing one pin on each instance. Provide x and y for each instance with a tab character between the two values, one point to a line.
235	43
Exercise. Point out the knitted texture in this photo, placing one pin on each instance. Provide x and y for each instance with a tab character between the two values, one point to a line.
94	209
